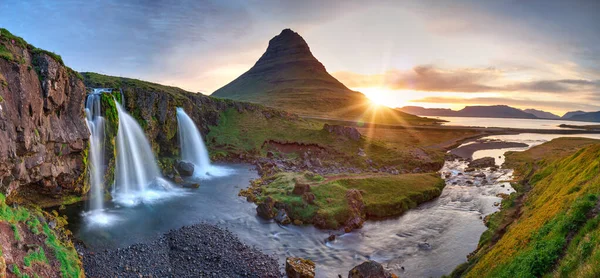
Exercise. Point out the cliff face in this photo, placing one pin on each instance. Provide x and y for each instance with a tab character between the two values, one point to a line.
43	138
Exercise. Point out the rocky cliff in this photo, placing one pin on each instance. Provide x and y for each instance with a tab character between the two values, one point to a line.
43	138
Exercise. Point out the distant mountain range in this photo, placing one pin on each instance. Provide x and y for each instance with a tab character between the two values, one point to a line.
501	111
289	77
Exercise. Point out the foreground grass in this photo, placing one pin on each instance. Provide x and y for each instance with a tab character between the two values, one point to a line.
383	195
63	251
553	230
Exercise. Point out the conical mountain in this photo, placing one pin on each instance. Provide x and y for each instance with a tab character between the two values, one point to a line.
289	77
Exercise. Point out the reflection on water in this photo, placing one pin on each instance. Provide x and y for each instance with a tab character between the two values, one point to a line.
509	123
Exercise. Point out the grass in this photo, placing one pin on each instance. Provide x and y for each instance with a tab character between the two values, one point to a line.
383	196
64	252
551	231
392	195
35	257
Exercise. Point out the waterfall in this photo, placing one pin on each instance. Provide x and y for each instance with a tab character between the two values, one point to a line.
95	123
136	174
192	146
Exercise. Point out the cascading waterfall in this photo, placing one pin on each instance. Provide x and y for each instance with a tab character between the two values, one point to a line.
192	146
136	174
193	149
95	123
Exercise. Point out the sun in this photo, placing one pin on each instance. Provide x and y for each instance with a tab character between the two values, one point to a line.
379	96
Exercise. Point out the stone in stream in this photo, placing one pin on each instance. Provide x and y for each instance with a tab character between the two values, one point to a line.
265	209
483	162
282	217
299	268
185	168
370	269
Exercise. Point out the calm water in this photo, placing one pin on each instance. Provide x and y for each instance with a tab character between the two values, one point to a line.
508	123
428	241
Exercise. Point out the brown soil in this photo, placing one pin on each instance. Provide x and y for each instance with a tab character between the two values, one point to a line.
14	252
291	147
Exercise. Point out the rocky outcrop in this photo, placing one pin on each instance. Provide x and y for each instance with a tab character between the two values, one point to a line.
185	169
483	162
299	268
43	137
344	131
370	269
266	209
356	207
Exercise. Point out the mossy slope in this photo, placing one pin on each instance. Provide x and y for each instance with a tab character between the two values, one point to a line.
554	219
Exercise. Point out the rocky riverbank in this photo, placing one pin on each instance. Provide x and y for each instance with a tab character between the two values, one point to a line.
193	251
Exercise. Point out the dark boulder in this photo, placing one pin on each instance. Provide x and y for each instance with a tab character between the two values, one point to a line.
266	209
309	197
370	269
357	210
185	169
299	268
483	162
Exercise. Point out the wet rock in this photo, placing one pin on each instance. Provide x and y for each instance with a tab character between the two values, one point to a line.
370	269
331	238
424	245
345	131
299	268
190	185
185	168
479	175
282	217
301	188
265	209
483	162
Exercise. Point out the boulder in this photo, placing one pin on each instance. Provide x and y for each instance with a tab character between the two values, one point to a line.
301	188
344	131
265	209
356	210
483	162
282	217
370	269
185	168
299	268
361	152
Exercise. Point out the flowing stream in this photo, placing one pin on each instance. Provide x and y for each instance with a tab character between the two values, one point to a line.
428	241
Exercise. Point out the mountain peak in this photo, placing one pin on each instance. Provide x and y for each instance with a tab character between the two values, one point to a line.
285	47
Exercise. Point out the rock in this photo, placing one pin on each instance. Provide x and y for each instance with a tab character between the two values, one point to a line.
185	168
361	152
479	175
331	238
370	269
270	154
265	209
282	217
299	268
298	222
483	162
190	185
309	198
345	131
301	188
356	209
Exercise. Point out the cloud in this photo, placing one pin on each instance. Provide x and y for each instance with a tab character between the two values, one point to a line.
466	80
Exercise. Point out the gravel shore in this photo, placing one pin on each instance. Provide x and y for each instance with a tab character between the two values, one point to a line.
200	250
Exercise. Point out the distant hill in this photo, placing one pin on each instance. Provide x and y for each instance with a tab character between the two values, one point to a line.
494	111
586	117
542	114
289	77
570	114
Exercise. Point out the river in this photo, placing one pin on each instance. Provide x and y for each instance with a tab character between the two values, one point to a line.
428	241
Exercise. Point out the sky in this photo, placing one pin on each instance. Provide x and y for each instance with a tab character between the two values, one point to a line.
447	54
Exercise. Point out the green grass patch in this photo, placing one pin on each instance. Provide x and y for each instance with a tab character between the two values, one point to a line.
35	257
66	255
